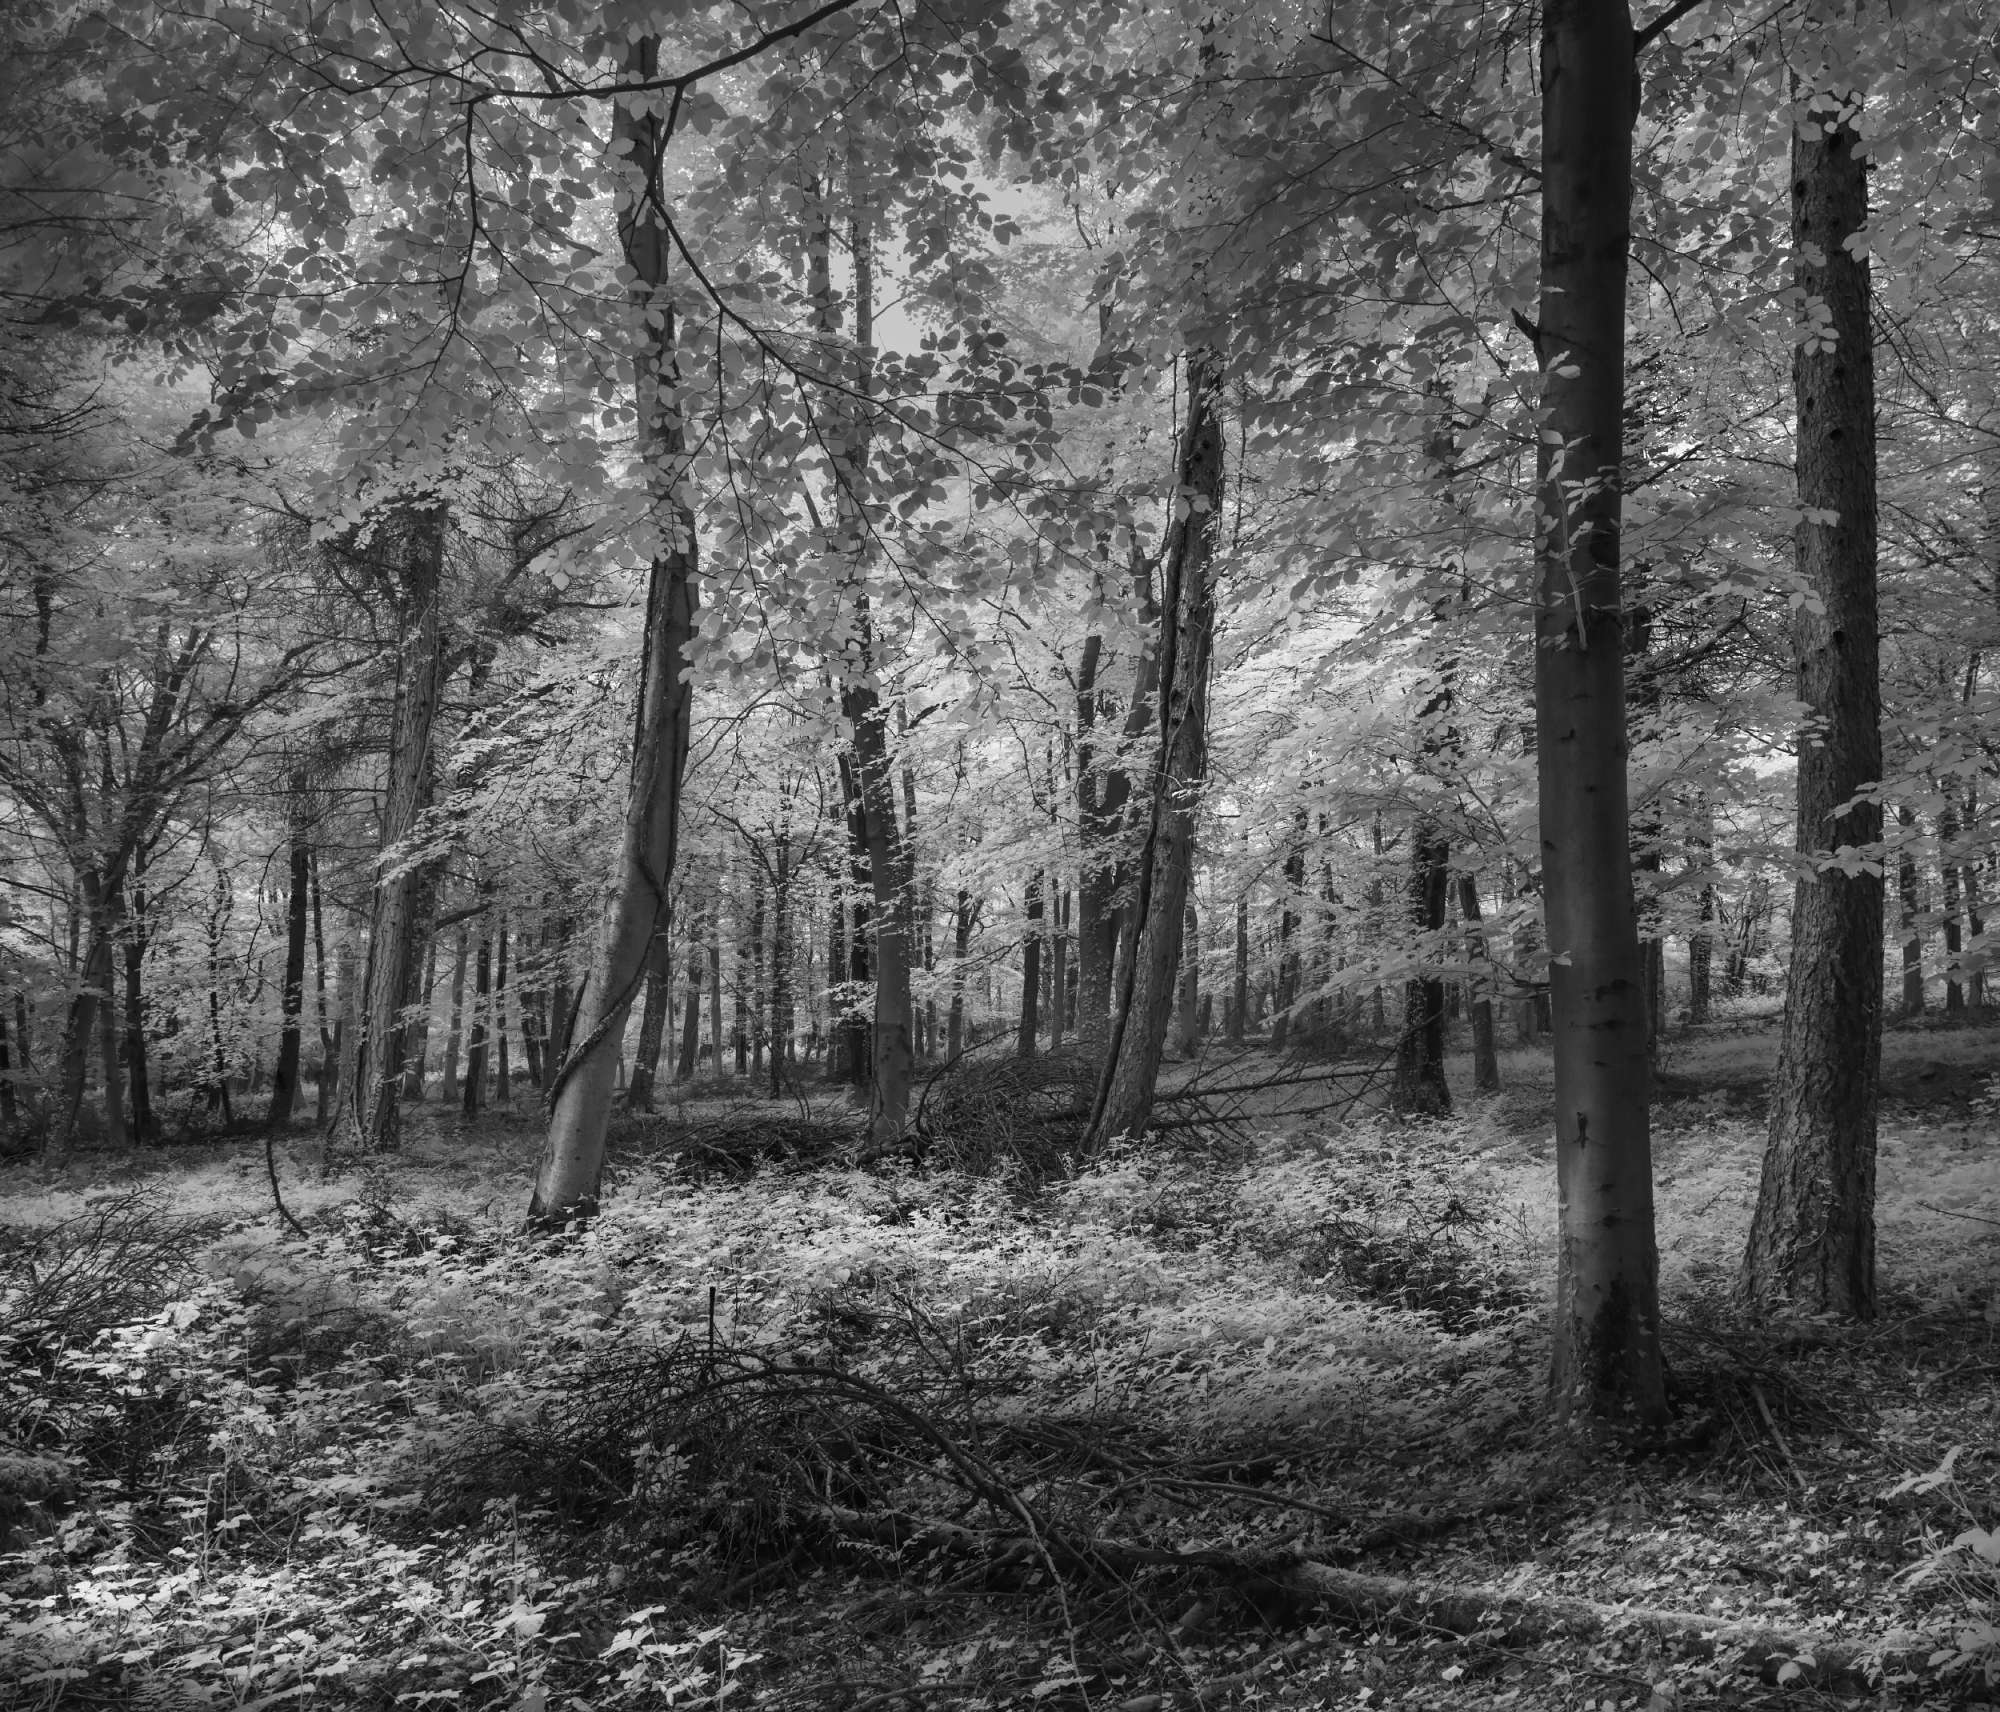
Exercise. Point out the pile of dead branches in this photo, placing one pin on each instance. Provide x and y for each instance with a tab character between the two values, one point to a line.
986	1112
734	1145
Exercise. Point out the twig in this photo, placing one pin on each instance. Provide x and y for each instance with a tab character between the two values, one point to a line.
1764	1409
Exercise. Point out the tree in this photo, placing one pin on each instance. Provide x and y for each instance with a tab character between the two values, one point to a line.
1812	1240
1607	1325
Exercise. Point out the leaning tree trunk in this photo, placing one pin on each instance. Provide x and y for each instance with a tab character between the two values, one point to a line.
399	924
1607	1322
582	1084
1812	1239
1166	859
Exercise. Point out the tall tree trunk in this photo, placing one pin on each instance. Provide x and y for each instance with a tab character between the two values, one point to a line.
580	1101
1289	923
412	539
780	1032
1954	943
1975	920
1166	862
653	1018
1031	972
1701	942
961	942
474	1096
115	1132
1812	1239
503	1076
1239	992
417	1052
758	983
455	1033
1910	917
1059	974
1485	1059
138	1074
715	993
1607	1321
285	1079
1419	1086
684	1068
1187	998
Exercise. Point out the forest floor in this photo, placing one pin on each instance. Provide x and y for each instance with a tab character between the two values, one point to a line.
1253	1416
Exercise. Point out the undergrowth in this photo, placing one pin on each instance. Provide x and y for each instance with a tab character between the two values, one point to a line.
807	1437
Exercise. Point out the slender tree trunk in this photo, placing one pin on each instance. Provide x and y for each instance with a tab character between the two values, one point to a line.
1419	1086
10	1105
1059	974
961	941
1975	921
285	1079
758	983
580	1100
1239	994
455	1035
474	1096
1166	865
1485	1059
1954	943
781	969
1187	999
1289	923
115	1132
1607	1332
1812	1239
503	1079
412	537
715	993
653	1020
417	1052
1031	972
691	1014
138	1072
1910	919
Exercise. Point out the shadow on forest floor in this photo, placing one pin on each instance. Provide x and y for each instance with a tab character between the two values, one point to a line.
1211	1427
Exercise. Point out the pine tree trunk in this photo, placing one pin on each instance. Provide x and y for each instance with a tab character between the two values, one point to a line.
1607	1336
285	1078
1166	862
584	1081
1812	1239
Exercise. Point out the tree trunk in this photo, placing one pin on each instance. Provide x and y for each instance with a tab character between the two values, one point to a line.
455	1034
285	1079
1812	1239
1954	943
1031	972
580	1102
1975	921
474	1096
658	1006
1187	1000
1059	974
1289	924
411	539
1485	1060
961	941
1419	1086
1239	993
780	1032
420	1024
139	1083
1166	863
1910	917
1607	1338
691	1016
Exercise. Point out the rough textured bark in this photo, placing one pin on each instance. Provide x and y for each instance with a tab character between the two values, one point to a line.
1485	1060
584	1080
1812	1239
1607	1336
411	542
1166	861
285	1078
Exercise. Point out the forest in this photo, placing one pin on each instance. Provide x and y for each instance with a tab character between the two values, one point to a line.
981	853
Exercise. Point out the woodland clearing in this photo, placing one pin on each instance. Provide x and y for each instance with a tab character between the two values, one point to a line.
1235	1419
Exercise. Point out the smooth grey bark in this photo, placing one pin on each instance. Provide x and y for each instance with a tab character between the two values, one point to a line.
1485	1059
584	1080
1812	1238
1607	1359
1166	858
